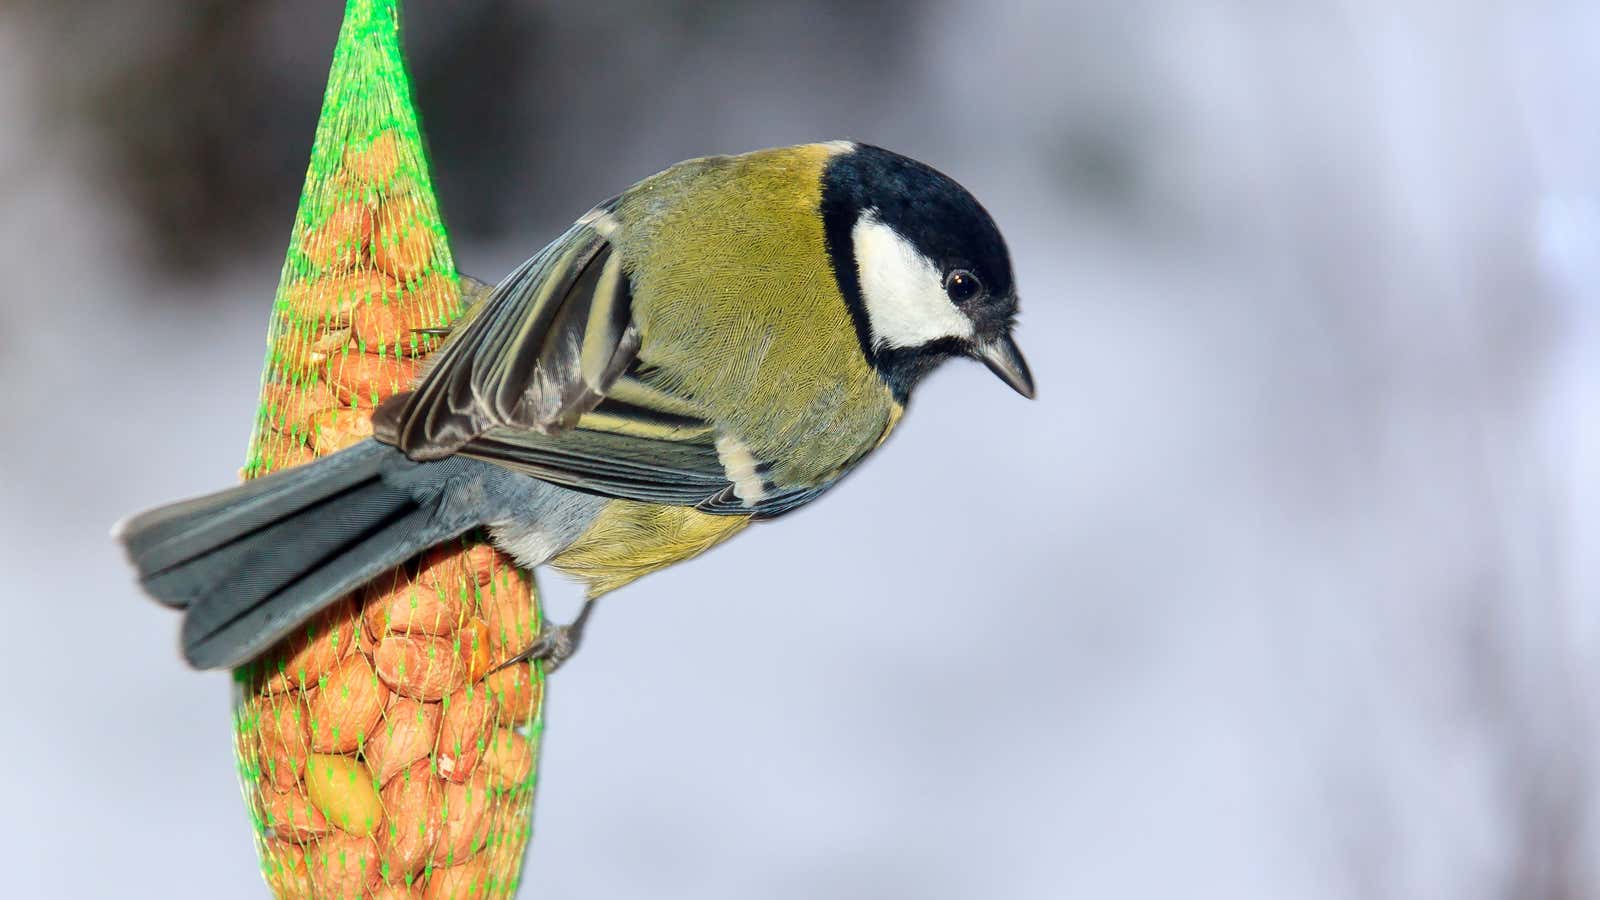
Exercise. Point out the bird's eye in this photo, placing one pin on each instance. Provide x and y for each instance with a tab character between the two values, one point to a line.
961	286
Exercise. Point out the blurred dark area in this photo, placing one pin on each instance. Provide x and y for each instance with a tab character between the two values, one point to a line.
198	111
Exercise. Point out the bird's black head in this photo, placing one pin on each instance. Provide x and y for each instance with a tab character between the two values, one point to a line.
922	267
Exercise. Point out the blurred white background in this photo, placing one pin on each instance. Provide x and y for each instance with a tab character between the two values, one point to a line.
1285	588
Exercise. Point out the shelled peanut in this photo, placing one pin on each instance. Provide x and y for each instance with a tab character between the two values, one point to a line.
383	752
366	292
378	750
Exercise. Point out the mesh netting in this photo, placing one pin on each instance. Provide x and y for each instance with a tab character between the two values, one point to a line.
379	758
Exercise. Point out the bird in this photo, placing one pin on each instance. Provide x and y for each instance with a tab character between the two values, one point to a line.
720	344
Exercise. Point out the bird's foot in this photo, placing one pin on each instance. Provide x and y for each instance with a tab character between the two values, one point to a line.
555	644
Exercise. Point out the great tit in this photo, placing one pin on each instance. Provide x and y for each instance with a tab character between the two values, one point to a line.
720	343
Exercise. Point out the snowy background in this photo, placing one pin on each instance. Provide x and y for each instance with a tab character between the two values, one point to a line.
1285	588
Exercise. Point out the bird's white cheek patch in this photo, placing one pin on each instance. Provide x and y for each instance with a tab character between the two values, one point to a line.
902	290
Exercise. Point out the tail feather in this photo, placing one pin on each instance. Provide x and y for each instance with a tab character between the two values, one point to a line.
263	560
165	538
253	563
230	633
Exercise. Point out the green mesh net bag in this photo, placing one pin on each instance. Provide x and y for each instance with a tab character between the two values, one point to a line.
381	753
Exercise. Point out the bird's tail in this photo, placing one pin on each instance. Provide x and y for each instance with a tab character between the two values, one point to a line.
250	564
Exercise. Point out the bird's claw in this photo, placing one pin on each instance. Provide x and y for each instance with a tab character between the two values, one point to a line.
555	644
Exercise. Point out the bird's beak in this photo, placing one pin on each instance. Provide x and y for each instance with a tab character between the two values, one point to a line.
1005	360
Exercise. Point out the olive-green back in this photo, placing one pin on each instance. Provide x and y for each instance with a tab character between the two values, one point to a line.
739	311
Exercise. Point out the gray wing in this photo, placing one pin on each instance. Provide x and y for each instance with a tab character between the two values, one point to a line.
537	353
639	453
540	378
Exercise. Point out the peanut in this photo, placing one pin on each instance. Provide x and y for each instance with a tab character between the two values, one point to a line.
469	880
408	733
515	692
508	759
347	708
464	817
438	295
441	570
342	790
419	666
283	865
343	865
395	603
292	358
507	604
468	713
286	407
337	243
375	164
317	303
283	729
483	560
392	325
412	802
403	243
333	430
365	379
314	652
291	815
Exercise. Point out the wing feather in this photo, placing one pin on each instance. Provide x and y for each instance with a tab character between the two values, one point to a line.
677	472
541	376
525	357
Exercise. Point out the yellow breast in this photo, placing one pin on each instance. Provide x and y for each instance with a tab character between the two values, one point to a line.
630	539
